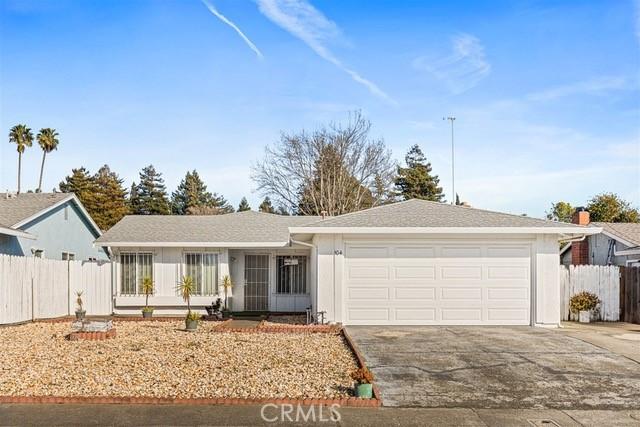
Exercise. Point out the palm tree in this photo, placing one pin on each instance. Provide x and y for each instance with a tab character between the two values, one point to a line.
48	140
21	136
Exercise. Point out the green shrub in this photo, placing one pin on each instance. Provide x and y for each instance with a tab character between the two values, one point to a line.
583	301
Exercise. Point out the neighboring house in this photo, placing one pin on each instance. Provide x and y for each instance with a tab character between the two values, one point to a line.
617	244
47	225
413	262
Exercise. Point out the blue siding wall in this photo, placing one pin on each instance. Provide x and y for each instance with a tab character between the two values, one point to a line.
56	233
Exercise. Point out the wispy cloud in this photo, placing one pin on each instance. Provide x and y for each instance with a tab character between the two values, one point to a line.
224	19
463	68
596	86
302	20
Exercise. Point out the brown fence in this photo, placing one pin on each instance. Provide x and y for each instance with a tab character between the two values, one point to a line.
630	294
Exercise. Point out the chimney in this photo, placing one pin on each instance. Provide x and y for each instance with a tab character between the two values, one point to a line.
580	216
580	250
323	214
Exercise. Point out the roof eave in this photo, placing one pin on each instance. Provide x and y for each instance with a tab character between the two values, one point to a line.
192	244
16	233
447	230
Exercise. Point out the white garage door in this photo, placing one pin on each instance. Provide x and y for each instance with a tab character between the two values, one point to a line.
426	283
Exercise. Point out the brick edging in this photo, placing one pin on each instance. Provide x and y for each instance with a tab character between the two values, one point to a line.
349	401
361	364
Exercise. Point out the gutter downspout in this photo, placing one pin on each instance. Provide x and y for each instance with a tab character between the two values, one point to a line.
573	239
312	246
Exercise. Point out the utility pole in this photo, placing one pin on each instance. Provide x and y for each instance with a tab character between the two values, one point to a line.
453	171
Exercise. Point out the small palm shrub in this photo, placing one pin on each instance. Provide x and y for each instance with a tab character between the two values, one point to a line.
583	301
147	289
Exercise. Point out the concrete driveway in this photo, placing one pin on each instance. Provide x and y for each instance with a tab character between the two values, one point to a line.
495	367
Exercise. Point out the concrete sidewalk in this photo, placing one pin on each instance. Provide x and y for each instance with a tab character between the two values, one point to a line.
618	337
180	415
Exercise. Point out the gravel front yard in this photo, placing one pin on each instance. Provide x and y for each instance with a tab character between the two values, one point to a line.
157	359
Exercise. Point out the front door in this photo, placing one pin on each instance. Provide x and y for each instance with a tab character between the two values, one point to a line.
256	282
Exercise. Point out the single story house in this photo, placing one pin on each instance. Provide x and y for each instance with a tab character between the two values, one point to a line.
48	225
617	244
408	263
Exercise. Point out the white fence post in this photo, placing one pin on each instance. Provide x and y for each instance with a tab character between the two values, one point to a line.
34	288
602	280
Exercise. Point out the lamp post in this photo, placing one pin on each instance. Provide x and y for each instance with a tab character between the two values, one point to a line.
453	172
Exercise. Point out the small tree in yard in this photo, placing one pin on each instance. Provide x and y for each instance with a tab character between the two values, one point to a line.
186	288
147	289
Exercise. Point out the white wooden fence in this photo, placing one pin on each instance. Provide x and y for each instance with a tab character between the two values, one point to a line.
604	281
34	288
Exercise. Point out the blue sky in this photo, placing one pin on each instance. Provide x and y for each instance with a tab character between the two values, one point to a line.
546	94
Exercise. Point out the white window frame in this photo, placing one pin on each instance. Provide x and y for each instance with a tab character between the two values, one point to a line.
304	275
216	279
137	279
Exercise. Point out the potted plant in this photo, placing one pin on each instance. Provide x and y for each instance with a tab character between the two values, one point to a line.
227	285
147	288
585	304
186	288
363	378
80	311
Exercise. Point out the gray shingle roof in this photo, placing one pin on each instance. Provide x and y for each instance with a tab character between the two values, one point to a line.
422	213
15	209
248	226
628	231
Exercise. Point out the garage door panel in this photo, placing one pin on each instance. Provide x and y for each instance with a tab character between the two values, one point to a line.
464	294
507	272
368	314
509	252
461	252
462	314
402	293
369	293
508	294
461	272
414	252
414	272
431	284
511	314
368	272
414	314
368	252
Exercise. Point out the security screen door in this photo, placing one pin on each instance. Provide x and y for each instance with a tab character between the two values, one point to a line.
256	282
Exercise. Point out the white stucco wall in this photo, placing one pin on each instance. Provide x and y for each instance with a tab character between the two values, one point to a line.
168	270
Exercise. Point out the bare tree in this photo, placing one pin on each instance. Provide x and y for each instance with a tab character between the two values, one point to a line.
336	169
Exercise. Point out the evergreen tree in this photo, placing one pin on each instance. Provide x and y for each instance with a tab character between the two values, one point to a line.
102	194
81	183
134	200
244	205
415	181
192	192
151	197
266	206
282	211
110	198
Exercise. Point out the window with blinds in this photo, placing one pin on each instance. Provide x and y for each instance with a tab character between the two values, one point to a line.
134	267
292	274
203	269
